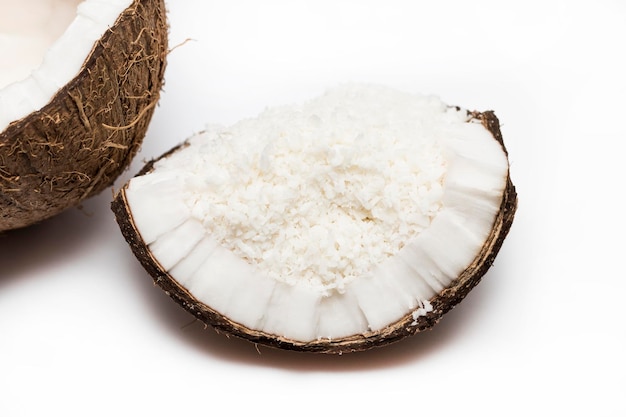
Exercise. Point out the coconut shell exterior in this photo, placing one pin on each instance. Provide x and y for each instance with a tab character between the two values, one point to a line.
407	326
84	138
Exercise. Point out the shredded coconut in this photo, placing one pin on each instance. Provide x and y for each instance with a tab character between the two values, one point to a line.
425	308
322	191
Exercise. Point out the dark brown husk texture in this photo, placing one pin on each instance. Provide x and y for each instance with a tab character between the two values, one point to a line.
404	327
81	141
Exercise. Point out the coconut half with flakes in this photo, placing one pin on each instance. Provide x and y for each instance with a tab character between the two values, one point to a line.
349	222
79	81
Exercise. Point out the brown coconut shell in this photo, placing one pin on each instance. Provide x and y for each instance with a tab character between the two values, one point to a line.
82	140
406	326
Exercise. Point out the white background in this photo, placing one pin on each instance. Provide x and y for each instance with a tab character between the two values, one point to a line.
84	332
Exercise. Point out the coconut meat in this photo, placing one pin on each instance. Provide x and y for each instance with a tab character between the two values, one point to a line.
43	45
325	220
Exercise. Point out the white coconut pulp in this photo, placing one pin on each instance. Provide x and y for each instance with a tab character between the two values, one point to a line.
43	44
325	220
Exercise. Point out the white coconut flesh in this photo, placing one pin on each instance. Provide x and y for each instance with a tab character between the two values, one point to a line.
43	45
325	220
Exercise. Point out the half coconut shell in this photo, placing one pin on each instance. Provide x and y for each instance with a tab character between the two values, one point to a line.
80	142
411	323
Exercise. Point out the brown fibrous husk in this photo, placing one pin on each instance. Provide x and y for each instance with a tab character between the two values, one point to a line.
406	326
83	139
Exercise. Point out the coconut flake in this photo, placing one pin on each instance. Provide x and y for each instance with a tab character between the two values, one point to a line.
426	308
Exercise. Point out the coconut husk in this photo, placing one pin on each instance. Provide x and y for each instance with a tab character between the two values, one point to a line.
82	140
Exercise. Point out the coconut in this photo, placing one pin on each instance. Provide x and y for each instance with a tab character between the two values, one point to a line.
79	82
349	222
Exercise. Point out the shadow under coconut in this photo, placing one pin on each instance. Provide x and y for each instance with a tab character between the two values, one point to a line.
24	251
181	324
